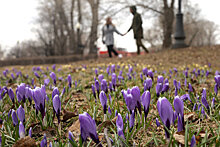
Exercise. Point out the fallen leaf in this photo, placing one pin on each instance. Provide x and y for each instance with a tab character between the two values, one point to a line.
25	142
107	123
68	114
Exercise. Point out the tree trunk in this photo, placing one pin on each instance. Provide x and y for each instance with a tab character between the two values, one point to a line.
168	20
79	49
94	4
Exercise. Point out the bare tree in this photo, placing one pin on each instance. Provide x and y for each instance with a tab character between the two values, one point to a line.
94	5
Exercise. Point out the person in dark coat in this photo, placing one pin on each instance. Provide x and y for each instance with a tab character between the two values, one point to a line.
137	29
108	36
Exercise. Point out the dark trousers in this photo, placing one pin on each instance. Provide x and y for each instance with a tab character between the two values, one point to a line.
140	44
110	50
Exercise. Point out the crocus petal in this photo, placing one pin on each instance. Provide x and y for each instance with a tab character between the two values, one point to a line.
103	100
21	130
21	113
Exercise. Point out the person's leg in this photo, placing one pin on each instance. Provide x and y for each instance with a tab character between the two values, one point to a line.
114	51
138	46
141	44
109	50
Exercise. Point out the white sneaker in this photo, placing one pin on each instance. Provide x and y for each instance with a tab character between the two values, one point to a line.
120	56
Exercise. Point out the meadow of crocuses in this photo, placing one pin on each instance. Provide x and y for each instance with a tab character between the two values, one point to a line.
110	104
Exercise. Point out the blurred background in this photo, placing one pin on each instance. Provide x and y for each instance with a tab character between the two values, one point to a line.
33	28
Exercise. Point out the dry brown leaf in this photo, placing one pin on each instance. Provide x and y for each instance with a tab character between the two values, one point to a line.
68	114
25	142
107	123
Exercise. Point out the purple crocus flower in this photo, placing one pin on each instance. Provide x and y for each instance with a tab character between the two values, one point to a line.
54	67
39	97
186	97
97	86
160	79
147	84
129	100
103	100
29	94
150	74
21	130
146	102
110	98
110	87
30	132
96	72
100	77
113	68
53	77
88	127
14	117
193	141
109	111
190	88
36	74
55	92
11	95
120	126
159	88
46	82
179	107
114	80
165	87
57	106
93	91
21	92
166	113
216	89
69	80
71	136
157	122
145	71
135	92
5	73
43	143
132	119
204	101
104	86
21	114
141	76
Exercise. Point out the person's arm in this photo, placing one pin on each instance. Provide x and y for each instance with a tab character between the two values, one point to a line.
116	31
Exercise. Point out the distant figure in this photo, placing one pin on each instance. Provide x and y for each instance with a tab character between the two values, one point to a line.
108	36
137	29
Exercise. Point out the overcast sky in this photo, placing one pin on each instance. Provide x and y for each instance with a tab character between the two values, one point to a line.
17	19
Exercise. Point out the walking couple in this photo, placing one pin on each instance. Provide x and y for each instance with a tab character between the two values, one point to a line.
109	28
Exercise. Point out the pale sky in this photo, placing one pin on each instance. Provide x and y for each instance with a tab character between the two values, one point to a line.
17	19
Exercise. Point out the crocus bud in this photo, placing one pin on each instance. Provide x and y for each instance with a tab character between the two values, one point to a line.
11	95
14	117
166	113
53	77
146	102
104	86
30	132
88	127
157	122
103	100
120	126
57	106
69	80
93	91
159	88
109	111
147	84
21	130
213	103
21	114
43	143
193	141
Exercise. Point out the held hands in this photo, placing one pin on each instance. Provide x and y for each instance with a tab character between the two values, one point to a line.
124	34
